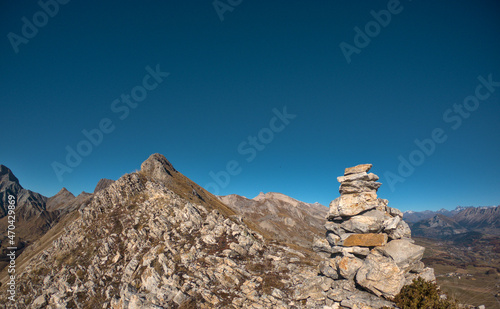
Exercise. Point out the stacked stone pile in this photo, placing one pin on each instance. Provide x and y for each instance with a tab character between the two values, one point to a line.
367	242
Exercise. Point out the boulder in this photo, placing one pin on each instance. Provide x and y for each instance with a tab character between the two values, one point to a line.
405	254
348	205
348	266
381	276
370	222
402	230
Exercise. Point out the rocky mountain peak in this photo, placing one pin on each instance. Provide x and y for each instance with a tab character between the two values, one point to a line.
58	201
64	191
158	167
276	196
7	178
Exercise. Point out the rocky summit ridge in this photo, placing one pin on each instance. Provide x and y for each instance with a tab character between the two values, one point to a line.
155	239
141	244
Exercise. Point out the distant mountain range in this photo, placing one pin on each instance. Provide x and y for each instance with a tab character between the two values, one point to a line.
445	224
415	216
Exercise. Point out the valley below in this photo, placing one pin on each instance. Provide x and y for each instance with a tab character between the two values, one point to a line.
467	268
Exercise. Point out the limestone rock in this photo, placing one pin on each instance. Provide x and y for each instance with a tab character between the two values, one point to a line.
402	230
403	252
334	227
332	239
427	274
322	247
359	251
359	186
370	222
348	266
328	269
394	212
381	276
352	204
358	177
357	169
366	240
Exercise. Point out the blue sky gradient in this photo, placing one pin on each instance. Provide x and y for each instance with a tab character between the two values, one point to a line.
229	78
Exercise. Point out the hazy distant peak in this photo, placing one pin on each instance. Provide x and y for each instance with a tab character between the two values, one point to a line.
277	197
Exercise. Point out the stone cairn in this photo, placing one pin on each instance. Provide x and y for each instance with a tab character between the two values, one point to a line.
367	242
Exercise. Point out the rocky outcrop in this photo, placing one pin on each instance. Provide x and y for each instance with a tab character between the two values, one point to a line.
103	184
367	243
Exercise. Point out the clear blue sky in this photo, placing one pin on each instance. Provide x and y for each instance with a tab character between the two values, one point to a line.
226	78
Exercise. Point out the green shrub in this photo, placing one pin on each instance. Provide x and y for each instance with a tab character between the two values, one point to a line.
422	294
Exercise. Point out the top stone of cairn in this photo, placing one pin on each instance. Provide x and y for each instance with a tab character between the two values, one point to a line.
357	169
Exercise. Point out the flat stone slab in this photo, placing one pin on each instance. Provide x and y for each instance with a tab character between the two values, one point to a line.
357	169
359	176
366	240
359	186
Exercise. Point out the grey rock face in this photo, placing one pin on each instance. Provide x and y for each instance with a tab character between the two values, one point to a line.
103	184
158	167
404	253
381	275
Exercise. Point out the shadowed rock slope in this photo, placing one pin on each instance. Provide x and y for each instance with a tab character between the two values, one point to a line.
34	214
